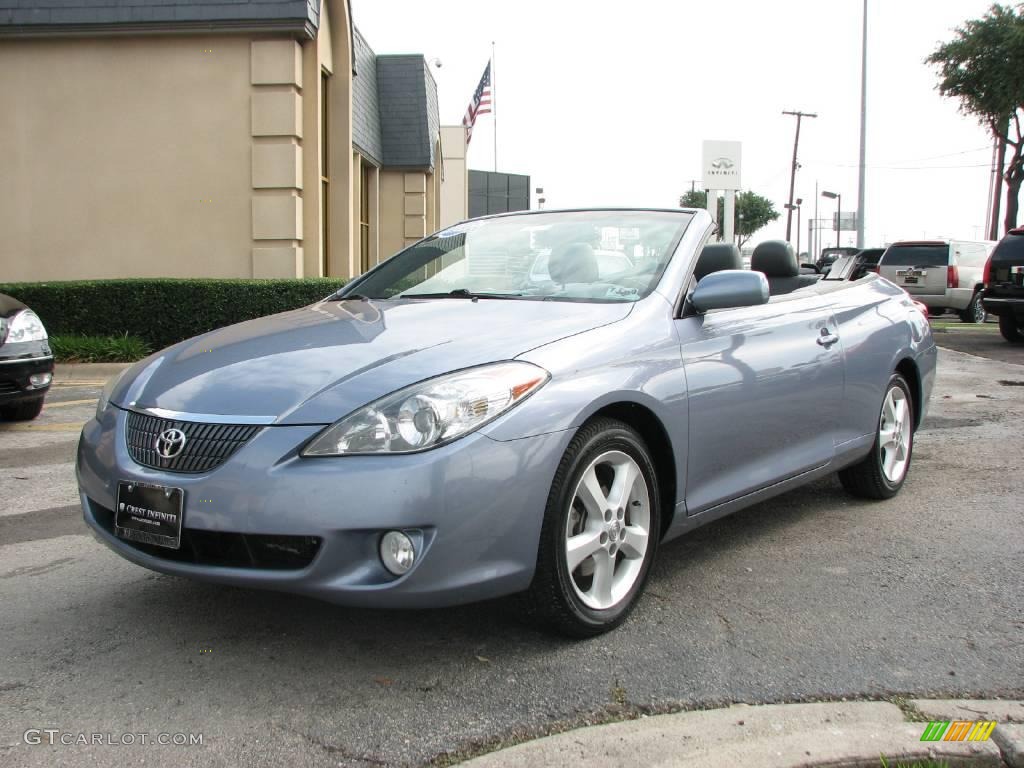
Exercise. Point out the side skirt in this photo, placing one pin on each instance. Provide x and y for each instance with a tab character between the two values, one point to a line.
846	454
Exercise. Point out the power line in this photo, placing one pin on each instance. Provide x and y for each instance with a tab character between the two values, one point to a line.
907	167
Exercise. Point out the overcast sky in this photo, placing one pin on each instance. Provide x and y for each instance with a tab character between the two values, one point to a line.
607	103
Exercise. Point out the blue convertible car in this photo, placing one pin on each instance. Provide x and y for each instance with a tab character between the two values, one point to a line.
457	424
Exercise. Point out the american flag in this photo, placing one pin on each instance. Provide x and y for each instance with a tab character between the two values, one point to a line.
480	104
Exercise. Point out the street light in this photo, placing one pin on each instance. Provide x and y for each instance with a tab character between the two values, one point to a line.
839	211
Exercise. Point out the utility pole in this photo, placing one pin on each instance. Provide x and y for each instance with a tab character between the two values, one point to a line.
997	194
792	176
863	126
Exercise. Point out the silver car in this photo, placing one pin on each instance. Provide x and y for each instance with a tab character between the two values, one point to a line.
447	428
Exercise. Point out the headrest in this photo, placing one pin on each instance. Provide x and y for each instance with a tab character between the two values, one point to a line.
775	258
575	263
717	256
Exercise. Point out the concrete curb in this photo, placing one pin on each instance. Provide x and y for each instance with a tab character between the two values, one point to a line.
836	735
67	372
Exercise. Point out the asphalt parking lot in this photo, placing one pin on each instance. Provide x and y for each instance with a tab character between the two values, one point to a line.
982	340
811	595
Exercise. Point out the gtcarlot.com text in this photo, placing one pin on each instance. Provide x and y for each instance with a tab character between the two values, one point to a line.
58	737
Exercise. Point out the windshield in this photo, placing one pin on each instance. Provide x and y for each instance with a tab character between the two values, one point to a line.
916	256
580	255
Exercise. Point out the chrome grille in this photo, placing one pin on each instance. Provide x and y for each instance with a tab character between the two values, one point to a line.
207	446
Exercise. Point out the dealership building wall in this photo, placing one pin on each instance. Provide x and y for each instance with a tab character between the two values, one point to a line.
232	147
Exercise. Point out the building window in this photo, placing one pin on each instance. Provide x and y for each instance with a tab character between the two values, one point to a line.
364	214
325	179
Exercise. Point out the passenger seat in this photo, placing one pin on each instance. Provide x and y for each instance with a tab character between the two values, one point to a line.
775	258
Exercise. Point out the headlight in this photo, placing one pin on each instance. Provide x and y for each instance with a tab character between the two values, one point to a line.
108	390
431	413
25	326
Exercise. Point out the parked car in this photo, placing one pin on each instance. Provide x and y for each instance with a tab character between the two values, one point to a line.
828	255
855	266
430	436
26	363
942	274
1004	285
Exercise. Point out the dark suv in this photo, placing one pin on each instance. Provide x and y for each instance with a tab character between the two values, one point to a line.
1004	285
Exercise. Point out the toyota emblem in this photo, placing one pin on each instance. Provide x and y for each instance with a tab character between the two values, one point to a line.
170	443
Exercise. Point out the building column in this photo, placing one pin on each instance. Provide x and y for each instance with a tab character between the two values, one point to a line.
276	79
415	206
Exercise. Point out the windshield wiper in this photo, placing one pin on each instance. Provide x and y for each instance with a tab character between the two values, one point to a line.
349	297
459	293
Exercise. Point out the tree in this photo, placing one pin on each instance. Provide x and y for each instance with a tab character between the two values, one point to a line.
983	67
752	211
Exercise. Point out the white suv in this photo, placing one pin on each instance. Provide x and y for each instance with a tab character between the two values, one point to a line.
941	274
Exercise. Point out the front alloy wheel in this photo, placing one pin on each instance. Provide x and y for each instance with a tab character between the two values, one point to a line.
600	532
607	531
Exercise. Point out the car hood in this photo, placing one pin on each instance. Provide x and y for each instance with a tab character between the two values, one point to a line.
316	364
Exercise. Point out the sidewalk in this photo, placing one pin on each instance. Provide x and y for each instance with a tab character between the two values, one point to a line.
843	734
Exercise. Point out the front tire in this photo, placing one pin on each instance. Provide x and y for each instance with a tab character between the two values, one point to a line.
600	532
881	473
23	411
975	311
1010	329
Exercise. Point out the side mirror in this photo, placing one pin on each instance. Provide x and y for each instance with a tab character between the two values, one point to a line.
730	288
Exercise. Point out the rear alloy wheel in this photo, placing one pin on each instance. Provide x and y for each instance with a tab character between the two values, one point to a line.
881	473
26	410
975	312
600	532
1010	328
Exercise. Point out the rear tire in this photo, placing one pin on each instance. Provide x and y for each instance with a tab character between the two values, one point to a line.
975	311
881	473
604	500
23	411
1010	329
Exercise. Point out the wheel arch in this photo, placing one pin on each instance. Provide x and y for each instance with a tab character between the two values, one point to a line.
909	370
655	436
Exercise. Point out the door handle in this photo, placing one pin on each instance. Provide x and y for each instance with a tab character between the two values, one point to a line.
827	338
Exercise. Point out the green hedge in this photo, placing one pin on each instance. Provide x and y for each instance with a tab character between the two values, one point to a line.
161	311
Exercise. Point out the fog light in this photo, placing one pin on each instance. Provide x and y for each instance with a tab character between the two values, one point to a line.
397	552
40	379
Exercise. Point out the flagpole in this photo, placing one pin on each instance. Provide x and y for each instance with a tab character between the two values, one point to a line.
494	105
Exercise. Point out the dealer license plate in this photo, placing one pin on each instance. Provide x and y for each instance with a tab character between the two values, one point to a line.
149	513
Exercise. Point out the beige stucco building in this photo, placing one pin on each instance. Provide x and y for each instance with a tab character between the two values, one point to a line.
210	139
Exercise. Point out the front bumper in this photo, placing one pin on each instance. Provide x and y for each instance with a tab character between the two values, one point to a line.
17	363
474	508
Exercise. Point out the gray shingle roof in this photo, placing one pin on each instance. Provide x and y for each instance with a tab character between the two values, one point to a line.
43	16
408	116
365	112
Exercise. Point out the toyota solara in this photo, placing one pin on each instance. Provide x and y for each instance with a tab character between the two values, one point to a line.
528	403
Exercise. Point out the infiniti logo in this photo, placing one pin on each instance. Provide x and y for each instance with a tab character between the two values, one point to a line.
170	443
